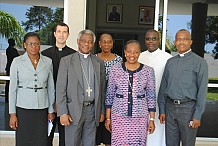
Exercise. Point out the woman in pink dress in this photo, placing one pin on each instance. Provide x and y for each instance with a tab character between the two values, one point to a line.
130	99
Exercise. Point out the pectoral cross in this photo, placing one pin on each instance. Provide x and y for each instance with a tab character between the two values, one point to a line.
89	90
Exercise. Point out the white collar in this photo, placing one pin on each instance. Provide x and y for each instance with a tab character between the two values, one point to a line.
154	53
84	55
183	54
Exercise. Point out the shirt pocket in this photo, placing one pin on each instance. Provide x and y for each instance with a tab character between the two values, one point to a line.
187	77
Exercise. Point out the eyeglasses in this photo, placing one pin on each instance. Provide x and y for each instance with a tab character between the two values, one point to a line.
151	39
33	44
106	42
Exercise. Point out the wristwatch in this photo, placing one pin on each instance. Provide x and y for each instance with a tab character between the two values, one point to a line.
151	119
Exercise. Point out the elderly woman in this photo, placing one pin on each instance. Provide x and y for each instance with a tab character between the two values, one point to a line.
110	59
31	94
130	99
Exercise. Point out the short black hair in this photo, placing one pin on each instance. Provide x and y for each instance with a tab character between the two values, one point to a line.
133	42
152	30
30	34
62	24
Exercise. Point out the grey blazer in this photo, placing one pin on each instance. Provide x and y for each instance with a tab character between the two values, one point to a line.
23	78
70	90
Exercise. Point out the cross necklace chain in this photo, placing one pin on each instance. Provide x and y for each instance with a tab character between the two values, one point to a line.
88	90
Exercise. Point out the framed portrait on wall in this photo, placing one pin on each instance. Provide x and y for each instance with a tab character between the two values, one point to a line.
114	13
146	15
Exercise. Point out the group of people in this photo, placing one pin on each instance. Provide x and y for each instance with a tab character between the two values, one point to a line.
100	98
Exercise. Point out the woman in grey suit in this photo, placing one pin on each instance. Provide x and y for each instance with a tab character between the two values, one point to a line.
31	94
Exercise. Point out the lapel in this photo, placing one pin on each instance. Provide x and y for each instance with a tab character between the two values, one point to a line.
77	65
27	63
96	67
41	64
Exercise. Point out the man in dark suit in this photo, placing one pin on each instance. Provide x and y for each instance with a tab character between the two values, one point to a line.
80	92
114	15
56	52
11	53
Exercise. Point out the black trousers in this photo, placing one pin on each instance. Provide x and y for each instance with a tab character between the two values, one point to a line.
32	127
60	131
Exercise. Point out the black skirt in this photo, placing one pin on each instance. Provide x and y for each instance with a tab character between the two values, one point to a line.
32	127
103	135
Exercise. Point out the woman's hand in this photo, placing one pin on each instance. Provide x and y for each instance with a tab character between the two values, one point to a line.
101	118
51	116
151	126
108	124
13	121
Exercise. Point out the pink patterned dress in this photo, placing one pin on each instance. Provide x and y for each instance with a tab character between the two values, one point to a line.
130	95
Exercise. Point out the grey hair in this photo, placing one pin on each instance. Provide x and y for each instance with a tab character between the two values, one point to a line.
86	31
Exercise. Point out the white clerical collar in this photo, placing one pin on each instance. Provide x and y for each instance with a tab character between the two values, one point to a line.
60	47
155	52
183	54
84	55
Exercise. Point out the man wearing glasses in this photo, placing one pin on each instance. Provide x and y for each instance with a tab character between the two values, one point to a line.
157	59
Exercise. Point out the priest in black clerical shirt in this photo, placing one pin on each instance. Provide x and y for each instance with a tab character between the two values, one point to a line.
56	52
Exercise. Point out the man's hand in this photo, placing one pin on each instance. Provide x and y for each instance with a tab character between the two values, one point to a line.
65	120
162	118
195	123
151	127
13	121
101	118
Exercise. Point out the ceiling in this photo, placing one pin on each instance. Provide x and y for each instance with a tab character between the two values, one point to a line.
177	7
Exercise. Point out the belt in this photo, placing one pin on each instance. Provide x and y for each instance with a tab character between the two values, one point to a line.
179	101
88	103
34	88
